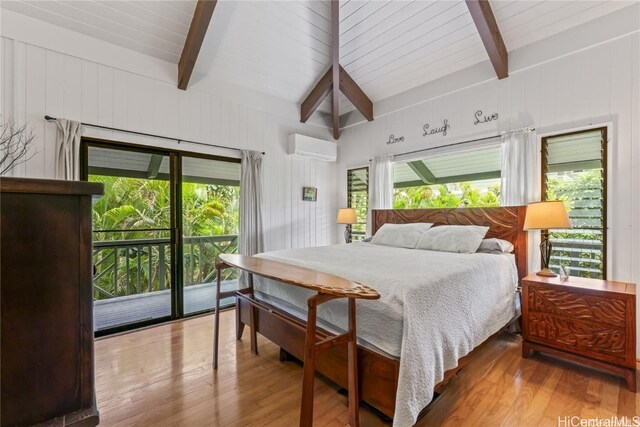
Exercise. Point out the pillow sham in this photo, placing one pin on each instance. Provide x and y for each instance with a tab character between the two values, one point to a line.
464	239
495	246
400	235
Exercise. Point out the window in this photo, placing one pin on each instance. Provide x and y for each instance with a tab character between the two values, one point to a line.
469	178
574	171
158	230
358	198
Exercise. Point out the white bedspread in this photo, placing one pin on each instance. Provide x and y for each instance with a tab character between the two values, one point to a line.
435	307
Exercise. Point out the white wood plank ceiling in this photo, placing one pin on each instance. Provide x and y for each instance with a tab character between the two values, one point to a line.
282	47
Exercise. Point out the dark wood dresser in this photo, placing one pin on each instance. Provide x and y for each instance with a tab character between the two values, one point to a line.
47	372
589	321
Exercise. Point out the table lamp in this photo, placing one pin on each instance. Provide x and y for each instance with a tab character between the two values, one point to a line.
346	216
545	216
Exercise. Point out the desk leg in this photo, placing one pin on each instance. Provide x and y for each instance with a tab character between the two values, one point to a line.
252	318
352	372
306	408
239	324
216	330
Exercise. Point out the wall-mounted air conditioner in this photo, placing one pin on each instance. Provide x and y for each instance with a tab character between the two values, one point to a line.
312	148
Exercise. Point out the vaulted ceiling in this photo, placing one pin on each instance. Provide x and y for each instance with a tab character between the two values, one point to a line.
282	47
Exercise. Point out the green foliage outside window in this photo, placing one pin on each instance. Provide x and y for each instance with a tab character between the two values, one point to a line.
579	248
463	194
360	202
137	204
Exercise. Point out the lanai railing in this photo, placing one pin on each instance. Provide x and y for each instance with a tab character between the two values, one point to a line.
130	267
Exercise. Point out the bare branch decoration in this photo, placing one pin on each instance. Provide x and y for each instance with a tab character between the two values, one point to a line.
15	146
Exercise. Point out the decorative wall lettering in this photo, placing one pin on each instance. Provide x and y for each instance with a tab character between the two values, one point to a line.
394	140
443	129
480	118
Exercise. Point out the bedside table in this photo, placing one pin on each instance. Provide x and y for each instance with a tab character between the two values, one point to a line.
588	321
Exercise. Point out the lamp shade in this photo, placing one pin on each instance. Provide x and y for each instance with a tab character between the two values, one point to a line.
546	215
346	216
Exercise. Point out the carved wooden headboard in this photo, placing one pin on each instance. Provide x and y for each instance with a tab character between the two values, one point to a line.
504	223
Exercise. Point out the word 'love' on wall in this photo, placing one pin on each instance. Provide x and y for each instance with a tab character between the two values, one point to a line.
393	140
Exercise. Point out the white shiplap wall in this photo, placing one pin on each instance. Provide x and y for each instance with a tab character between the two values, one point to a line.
597	85
39	81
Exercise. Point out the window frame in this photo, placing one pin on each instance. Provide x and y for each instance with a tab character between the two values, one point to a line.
177	284
445	151
604	129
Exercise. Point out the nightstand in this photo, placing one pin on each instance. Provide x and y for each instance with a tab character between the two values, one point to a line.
588	321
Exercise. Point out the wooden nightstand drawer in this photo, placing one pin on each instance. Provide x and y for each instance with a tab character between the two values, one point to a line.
589	321
600	310
596	340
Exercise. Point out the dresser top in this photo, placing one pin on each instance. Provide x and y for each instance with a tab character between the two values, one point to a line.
49	186
585	283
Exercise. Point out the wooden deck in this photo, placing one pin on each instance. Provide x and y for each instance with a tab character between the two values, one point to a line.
137	308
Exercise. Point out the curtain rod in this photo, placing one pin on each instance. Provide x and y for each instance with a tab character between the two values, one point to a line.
49	118
463	142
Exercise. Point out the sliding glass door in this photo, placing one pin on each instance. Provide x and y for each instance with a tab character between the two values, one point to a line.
132	230
210	202
157	232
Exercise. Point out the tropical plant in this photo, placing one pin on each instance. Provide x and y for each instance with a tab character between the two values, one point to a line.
131	206
464	194
580	248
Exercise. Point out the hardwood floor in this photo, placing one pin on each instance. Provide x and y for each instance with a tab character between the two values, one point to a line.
162	376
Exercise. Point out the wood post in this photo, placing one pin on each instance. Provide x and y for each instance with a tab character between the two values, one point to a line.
216	330
311	350
352	370
252	318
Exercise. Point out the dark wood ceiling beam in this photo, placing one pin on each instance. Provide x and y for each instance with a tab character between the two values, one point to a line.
316	96
333	82
335	66
199	24
358	98
490	34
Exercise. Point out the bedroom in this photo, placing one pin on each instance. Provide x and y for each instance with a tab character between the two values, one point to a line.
240	146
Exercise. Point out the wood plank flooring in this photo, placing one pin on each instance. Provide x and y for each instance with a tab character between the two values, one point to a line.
162	376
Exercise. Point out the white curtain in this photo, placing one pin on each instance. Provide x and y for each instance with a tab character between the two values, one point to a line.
251	232
520	179
68	149
520	171
381	183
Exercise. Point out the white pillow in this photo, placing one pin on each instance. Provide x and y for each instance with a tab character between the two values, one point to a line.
495	246
400	235
464	239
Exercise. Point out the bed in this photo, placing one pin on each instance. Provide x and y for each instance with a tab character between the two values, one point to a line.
436	307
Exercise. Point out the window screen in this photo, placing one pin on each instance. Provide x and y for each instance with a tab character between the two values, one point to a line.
574	171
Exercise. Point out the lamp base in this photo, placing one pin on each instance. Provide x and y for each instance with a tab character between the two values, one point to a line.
546	273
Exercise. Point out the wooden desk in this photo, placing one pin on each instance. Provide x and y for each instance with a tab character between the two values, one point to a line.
327	287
